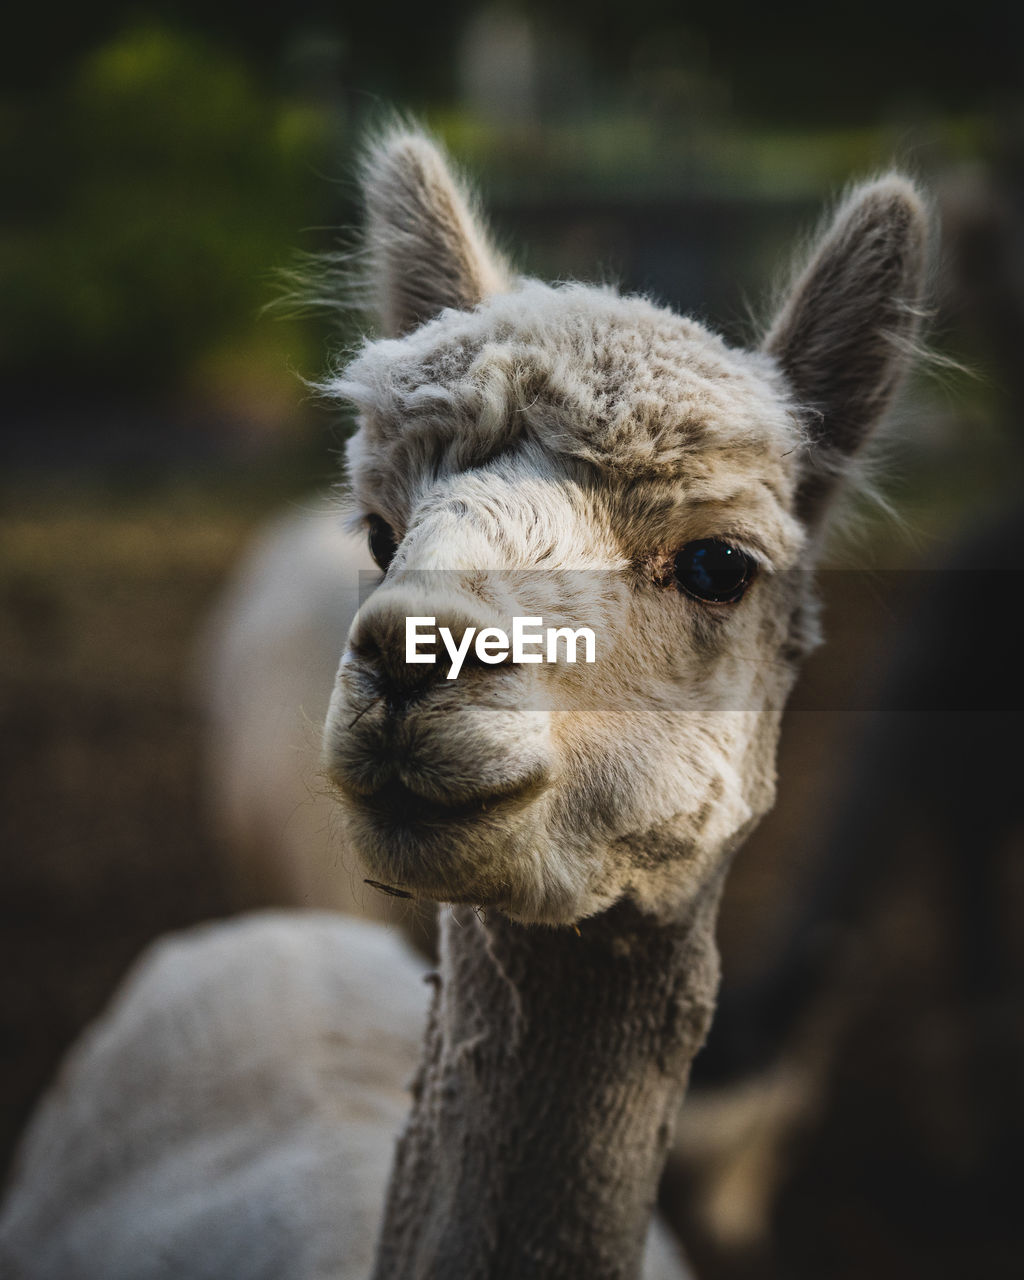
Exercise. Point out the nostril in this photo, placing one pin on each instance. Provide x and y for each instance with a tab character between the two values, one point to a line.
364	645
405	649
382	671
378	639
400	695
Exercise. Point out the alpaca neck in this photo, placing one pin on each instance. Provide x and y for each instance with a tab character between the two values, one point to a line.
553	1068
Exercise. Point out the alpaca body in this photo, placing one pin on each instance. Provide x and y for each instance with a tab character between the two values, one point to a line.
270	1060
251	1136
265	666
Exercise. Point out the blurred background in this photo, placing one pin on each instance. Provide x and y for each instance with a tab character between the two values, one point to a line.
861	1102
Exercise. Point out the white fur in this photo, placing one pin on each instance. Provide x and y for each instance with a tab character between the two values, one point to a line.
251	1134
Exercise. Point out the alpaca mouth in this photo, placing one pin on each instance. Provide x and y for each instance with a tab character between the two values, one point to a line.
397	806
422	848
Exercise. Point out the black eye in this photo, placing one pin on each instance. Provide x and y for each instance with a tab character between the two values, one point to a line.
382	540
713	571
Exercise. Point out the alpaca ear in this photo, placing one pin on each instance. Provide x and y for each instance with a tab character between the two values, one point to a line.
846	331
427	249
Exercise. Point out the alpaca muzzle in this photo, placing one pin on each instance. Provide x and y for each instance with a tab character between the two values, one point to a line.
410	747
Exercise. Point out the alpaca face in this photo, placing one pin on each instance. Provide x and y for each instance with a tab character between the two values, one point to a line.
550	455
591	460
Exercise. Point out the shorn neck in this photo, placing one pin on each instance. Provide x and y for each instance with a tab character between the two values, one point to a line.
553	1068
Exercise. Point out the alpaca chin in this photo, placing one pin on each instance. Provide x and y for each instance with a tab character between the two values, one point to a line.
499	857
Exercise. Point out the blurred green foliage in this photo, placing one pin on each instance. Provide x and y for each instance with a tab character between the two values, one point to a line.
158	171
799	63
164	184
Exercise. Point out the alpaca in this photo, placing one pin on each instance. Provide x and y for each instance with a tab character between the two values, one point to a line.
556	452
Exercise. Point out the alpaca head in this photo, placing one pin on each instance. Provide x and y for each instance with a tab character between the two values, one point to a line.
594	460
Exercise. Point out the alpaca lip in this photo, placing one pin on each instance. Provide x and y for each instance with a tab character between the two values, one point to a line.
397	806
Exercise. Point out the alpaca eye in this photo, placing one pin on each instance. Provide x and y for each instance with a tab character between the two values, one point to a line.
382	540
713	571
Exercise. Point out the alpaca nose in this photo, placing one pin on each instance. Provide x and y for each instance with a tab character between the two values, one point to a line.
386	627
470	740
